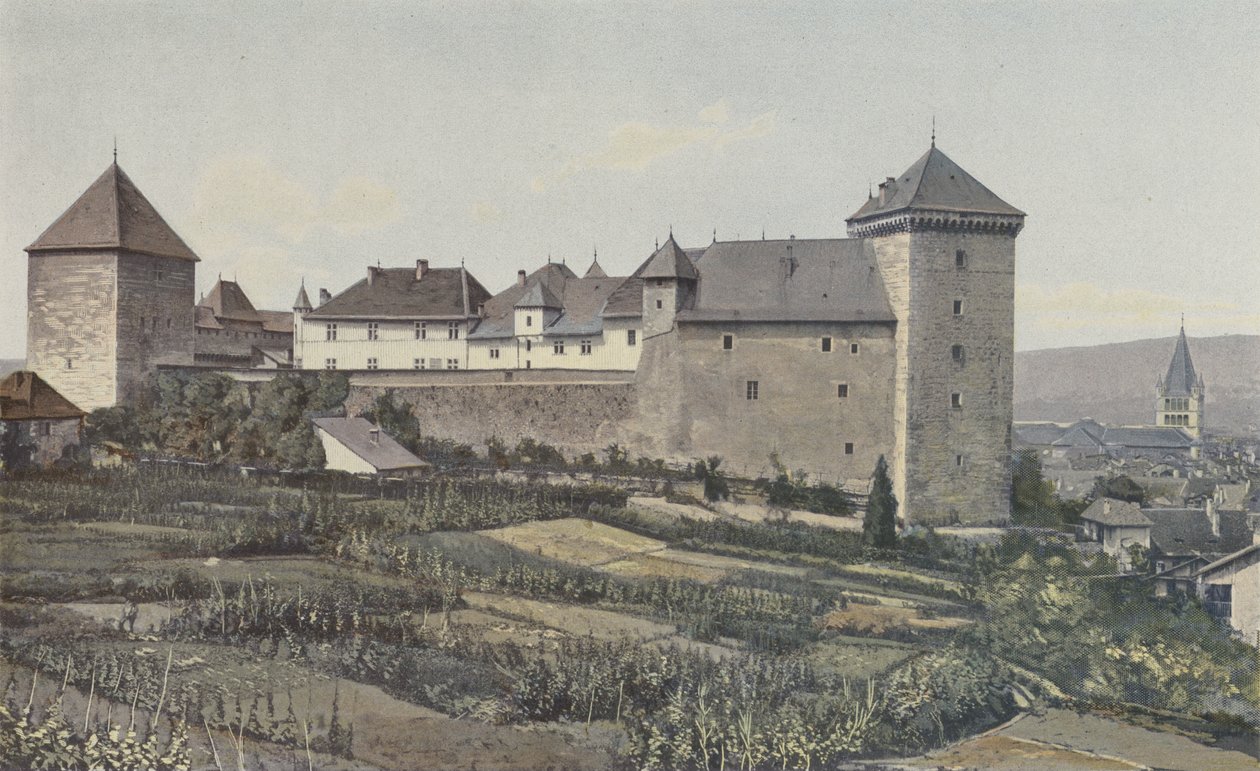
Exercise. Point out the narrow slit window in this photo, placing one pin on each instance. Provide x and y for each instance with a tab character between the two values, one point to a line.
958	307
848	448
955	400
728	342
826	345
853	348
956	353
960	258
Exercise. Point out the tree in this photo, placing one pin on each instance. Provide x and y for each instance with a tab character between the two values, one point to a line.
398	419
716	487
879	528
15	453
1033	501
1119	488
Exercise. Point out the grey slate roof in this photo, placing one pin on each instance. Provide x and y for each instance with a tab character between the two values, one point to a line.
935	182
1189	531
450	293
303	301
1038	433
538	295
1150	437
356	434
626	301
595	271
1181	378
113	214
669	261
581	302
1109	511
228	301
789	280
1252	552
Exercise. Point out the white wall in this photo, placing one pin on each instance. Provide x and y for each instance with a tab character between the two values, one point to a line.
339	458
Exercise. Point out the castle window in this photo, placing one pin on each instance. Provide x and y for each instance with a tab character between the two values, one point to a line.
529	320
422	330
142	323
528	365
494	353
955	401
69	363
452	330
751	389
330	363
957	307
826	345
168	323
45	428
529	345
659	305
958	461
586	348
417	364
960	258
728	342
452	363
374	330
330	331
631	337
842	391
372	364
153	324
848	448
853	347
956	353
558	348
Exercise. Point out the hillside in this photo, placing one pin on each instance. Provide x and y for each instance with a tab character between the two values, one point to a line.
1115	383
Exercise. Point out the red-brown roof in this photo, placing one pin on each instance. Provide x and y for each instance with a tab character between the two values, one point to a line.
25	396
113	214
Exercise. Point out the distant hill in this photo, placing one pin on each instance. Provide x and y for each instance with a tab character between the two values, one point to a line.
11	365
1115	383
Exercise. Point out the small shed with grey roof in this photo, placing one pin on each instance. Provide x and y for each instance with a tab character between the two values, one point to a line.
1119	526
358	446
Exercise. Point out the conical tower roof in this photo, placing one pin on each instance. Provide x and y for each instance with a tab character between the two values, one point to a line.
595	271
303	302
669	261
1181	379
935	182
113	214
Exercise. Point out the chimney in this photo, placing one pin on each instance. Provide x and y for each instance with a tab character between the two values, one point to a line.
1214	517
520	278
374	434
372	271
884	190
422	267
481	310
324	295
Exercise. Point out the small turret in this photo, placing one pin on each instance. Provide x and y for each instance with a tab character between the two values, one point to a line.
302	304
669	285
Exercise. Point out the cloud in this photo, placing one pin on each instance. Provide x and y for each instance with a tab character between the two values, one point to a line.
484	212
1082	305
634	146
251	195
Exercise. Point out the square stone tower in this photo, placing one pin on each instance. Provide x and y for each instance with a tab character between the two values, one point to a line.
110	295
1179	395
945	246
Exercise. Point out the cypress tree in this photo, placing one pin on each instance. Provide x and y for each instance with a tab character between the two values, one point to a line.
879	529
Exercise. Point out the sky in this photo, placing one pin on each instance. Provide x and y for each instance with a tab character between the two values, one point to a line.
291	141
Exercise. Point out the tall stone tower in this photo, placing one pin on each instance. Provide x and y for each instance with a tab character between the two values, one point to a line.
110	295
1179	395
945	246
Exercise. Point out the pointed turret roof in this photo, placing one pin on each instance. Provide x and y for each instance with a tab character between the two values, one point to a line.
1181	378
595	271
229	301
669	261
113	214
935	182
539	295
303	302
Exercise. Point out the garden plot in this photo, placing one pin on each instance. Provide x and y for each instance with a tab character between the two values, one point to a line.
575	541
878	571
1004	753
878	620
858	657
573	620
697	566
660	506
311	572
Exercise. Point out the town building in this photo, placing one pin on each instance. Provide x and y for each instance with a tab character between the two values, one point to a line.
110	295
36	421
230	332
358	446
393	319
1119	527
1230	590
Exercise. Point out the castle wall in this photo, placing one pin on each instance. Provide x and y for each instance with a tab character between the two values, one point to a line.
155	309
694	400
575	417
71	332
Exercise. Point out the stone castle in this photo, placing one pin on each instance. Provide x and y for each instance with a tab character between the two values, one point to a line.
823	353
